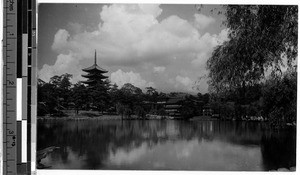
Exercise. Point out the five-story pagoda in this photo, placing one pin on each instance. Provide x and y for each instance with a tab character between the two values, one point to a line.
94	74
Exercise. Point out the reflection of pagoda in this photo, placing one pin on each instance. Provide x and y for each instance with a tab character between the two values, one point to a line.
94	74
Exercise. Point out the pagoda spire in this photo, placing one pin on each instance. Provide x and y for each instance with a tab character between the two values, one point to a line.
95	57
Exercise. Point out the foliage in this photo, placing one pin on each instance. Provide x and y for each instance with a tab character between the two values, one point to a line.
55	95
120	109
162	112
79	96
190	106
260	38
203	97
280	98
99	95
139	111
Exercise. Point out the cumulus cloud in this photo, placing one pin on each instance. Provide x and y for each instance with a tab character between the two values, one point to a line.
202	21
131	36
202	57
60	40
63	63
183	82
159	69
120	78
186	81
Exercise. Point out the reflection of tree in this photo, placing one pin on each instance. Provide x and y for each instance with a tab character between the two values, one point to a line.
279	150
95	140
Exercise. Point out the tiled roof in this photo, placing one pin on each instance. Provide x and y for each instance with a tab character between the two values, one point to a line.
94	75
174	100
95	67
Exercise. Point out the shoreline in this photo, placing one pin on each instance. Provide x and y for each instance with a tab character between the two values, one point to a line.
134	117
94	115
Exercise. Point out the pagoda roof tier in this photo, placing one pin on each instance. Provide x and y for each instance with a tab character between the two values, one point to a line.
89	81
95	76
95	67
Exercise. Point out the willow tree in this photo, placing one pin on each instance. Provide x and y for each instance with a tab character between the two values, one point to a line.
260	37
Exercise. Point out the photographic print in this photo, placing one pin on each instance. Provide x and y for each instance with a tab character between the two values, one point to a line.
167	87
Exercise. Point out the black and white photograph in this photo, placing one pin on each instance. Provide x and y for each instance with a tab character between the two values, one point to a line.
180	87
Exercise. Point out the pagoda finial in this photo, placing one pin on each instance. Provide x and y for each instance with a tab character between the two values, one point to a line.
95	57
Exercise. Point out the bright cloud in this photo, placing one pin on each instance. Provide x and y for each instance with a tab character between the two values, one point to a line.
60	39
120	78
186	81
63	63
202	21
159	69
202	57
131	36
183	82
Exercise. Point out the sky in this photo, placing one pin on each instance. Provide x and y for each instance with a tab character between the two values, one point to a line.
164	46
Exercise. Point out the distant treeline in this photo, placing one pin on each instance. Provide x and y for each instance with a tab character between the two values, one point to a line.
59	94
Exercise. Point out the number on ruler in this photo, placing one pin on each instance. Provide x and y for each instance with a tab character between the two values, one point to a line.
10	132
10	33
11	82
11	5
14	141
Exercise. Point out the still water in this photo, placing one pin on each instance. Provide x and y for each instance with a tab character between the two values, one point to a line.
166	145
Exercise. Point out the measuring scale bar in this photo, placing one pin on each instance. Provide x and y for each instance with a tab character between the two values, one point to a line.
19	93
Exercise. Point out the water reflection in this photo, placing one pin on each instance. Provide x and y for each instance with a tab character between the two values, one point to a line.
168	145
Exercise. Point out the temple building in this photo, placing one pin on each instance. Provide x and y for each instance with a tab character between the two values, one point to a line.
94	74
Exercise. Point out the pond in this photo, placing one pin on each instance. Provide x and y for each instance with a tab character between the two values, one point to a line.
166	145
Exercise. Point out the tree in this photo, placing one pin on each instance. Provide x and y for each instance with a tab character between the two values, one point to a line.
129	88
259	36
114	96
129	97
79	96
280	98
266	31
153	96
151	90
48	99
62	87
188	107
99	95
